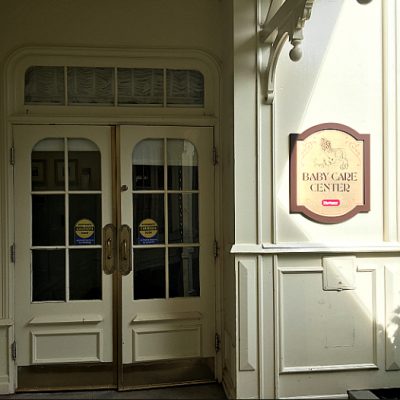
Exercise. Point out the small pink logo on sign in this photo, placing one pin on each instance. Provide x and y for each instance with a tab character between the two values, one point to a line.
331	203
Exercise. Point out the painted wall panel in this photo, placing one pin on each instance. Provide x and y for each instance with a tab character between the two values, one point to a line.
4	363
3	350
392	316
266	327
247	315
247	340
339	79
336	329
122	23
332	341
245	128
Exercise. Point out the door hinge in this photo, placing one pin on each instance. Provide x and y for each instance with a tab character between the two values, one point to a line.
12	253
217	343
12	155
14	350
215	156
215	249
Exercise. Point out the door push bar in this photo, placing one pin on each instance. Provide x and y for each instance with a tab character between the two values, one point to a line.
109	250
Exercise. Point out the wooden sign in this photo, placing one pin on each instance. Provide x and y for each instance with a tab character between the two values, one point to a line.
329	173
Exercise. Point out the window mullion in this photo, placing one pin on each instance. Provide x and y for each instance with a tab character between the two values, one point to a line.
115	86
165	87
66	188
166	222
65	85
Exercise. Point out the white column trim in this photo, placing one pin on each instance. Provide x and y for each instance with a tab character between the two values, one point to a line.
390	112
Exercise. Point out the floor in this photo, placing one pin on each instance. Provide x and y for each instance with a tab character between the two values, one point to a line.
204	391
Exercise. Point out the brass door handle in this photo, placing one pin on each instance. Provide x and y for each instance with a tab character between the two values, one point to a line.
125	250
109	249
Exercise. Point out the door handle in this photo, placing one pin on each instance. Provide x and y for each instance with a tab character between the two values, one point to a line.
108	249
125	250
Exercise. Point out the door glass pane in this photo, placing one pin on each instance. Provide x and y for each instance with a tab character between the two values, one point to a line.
84	219
183	218
48	220
148	219
48	275
84	165
148	165
149	273
184	272
182	165
85	274
46	156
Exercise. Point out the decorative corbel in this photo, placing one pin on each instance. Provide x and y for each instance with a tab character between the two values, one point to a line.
287	22
284	20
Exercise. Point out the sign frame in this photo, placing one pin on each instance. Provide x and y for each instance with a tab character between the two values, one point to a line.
295	207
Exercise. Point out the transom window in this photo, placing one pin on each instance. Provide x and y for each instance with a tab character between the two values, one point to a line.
85	86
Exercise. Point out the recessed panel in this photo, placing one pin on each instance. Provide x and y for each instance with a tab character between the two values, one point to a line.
4	350
66	346
165	343
336	329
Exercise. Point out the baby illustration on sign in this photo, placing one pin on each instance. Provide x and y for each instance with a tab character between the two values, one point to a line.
331	156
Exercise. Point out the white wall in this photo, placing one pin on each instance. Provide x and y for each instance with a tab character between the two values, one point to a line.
294	336
123	23
338	79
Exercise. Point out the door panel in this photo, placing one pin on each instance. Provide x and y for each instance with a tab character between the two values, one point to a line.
114	267
168	298
64	307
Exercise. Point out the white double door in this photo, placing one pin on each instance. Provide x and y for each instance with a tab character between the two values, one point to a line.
114	232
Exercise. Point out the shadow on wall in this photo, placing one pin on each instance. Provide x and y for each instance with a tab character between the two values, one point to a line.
303	75
294	87
393	337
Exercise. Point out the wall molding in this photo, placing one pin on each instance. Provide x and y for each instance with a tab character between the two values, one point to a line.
247	299
324	368
298	248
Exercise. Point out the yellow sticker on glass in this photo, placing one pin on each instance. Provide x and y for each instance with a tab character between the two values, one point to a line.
84	232
148	231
